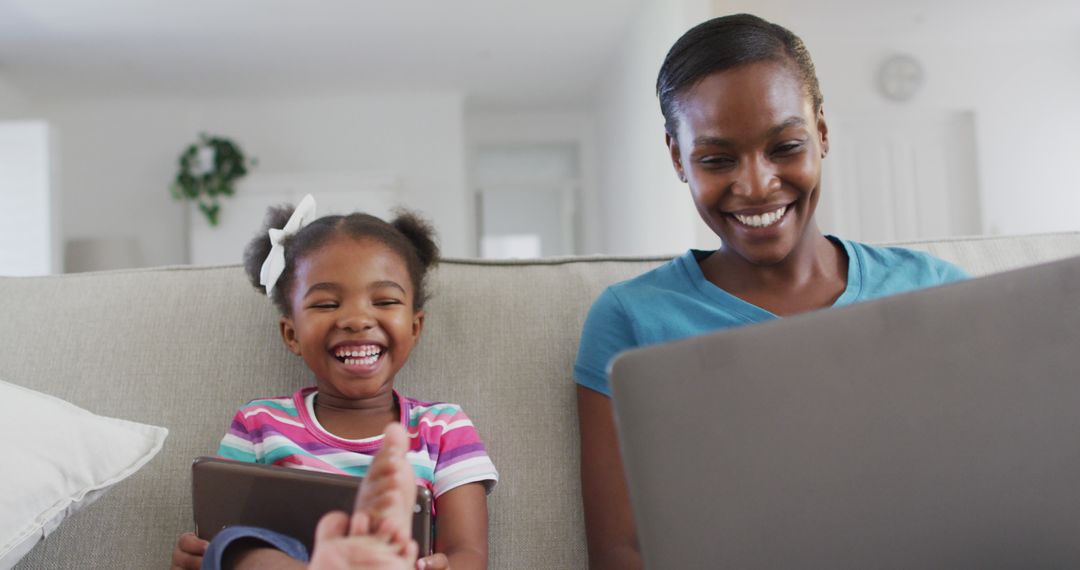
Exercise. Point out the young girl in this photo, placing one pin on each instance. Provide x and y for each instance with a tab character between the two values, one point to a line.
746	131
351	293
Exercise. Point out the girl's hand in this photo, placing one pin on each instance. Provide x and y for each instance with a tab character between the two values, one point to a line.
433	562
188	553
388	492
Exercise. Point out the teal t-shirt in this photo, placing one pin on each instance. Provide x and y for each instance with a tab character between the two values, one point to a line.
675	301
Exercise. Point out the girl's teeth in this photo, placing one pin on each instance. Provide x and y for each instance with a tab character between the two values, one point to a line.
364	353
762	220
365	361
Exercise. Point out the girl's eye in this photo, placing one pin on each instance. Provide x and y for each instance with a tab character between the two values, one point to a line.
324	305
387	302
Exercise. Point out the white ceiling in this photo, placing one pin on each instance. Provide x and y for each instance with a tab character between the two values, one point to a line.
499	53
932	21
508	53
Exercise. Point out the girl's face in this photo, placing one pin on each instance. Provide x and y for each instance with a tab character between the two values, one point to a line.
749	145
352	318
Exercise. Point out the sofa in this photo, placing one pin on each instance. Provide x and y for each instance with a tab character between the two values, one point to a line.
182	347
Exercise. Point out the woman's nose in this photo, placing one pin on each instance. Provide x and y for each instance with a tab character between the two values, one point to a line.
756	179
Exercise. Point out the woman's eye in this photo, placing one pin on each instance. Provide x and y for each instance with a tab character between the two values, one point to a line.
717	161
788	148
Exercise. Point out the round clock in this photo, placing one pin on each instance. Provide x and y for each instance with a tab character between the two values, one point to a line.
900	77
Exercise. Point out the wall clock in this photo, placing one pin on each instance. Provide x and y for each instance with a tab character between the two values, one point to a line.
900	77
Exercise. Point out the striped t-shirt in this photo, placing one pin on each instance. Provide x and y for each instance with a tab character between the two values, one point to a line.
445	450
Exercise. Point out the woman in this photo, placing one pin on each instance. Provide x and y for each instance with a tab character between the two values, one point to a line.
746	131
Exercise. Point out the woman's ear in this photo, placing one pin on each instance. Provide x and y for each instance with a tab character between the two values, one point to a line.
823	132
673	149
288	335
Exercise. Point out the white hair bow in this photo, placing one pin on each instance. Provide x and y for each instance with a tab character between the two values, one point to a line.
274	265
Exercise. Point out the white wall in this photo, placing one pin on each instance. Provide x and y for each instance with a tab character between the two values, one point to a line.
29	232
539	127
644	209
1020	78
118	156
1018	73
12	101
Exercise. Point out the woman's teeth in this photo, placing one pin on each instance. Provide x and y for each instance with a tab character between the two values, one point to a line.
762	220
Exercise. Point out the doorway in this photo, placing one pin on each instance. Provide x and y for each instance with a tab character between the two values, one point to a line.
527	200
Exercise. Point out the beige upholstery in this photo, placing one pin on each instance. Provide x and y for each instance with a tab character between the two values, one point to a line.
183	347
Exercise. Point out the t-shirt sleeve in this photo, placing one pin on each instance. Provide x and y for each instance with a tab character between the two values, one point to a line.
462	457
606	333
238	443
949	273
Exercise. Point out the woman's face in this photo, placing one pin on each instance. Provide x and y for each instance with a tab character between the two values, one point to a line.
750	144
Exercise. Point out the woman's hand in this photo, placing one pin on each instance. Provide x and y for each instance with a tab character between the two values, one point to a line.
188	553
433	562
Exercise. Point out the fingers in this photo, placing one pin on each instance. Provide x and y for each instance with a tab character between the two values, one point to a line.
393	533
359	524
189	552
411	551
192	544
185	561
367	552
332	525
391	507
433	562
396	438
389	488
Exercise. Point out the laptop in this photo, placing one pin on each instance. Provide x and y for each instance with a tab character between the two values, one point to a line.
287	500
934	429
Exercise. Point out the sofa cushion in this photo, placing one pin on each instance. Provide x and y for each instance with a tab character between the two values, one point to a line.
58	459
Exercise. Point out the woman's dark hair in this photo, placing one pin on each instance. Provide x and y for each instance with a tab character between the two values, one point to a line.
409	235
723	43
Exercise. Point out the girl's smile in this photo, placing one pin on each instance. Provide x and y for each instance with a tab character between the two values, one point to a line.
360	358
353	319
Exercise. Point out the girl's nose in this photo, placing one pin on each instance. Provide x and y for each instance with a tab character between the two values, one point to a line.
357	319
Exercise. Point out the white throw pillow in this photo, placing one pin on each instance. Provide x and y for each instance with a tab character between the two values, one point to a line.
58	458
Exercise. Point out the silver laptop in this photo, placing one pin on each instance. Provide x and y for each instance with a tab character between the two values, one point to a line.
934	429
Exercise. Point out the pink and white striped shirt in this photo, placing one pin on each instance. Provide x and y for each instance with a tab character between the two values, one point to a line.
445	449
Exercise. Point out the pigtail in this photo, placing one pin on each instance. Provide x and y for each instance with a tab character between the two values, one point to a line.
420	234
259	247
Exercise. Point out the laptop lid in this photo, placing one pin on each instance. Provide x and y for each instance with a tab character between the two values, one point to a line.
934	429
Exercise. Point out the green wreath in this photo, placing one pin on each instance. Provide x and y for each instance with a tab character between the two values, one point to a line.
208	169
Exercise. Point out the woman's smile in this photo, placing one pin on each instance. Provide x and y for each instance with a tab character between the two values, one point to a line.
762	220
750	145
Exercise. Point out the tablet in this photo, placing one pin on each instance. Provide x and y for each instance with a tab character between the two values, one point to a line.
287	500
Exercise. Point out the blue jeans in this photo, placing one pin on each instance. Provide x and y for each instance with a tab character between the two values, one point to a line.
229	535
